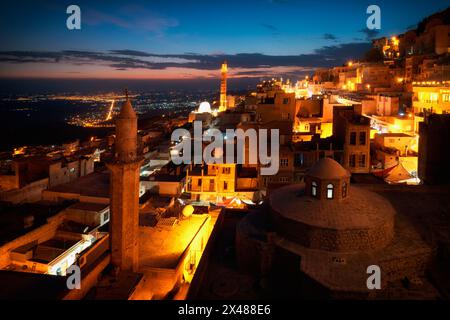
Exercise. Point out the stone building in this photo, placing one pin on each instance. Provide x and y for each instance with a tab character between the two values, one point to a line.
319	237
434	149
351	131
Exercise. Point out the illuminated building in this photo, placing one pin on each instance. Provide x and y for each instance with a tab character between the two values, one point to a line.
431	96
203	113
125	168
27	177
70	237
212	182
276	106
387	104
373	74
223	87
396	158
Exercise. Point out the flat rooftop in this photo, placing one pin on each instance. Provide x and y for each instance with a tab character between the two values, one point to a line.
163	246
393	134
89	206
92	185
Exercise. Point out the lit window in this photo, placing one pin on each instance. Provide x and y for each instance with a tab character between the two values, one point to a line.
307	128
330	191
284	162
314	189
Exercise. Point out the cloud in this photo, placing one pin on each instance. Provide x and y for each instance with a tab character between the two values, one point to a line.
343	52
329	36
252	64
269	27
131	17
369	34
273	29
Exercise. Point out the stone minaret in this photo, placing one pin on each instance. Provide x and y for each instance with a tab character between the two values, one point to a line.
223	87
125	168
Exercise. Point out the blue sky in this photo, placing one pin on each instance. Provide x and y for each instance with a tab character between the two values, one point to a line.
212	28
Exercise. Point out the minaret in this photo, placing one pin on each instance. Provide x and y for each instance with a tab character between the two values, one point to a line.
125	168
223	87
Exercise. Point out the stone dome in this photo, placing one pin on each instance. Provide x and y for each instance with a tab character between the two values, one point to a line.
363	221
328	169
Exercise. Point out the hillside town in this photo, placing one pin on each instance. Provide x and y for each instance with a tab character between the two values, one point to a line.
363	179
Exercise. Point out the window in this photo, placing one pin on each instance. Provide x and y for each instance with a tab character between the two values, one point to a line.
211	184
307	128
199	183
225	185
106	217
330	188
299	159
314	189
353	138
284	179
285	100
344	189
362	138
284	162
226	170
362	160
352	161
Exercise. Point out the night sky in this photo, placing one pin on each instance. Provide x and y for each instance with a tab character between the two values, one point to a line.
189	39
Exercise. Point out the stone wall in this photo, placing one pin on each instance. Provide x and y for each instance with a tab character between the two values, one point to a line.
336	240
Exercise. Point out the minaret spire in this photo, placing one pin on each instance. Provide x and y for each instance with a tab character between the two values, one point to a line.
223	87
124	203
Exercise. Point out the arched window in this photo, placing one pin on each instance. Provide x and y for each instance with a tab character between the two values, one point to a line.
344	189
330	191
314	189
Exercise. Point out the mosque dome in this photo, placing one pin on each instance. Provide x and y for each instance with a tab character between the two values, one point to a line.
322	214
204	107
327	168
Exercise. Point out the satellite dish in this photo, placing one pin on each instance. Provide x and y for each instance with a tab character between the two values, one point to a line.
188	211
